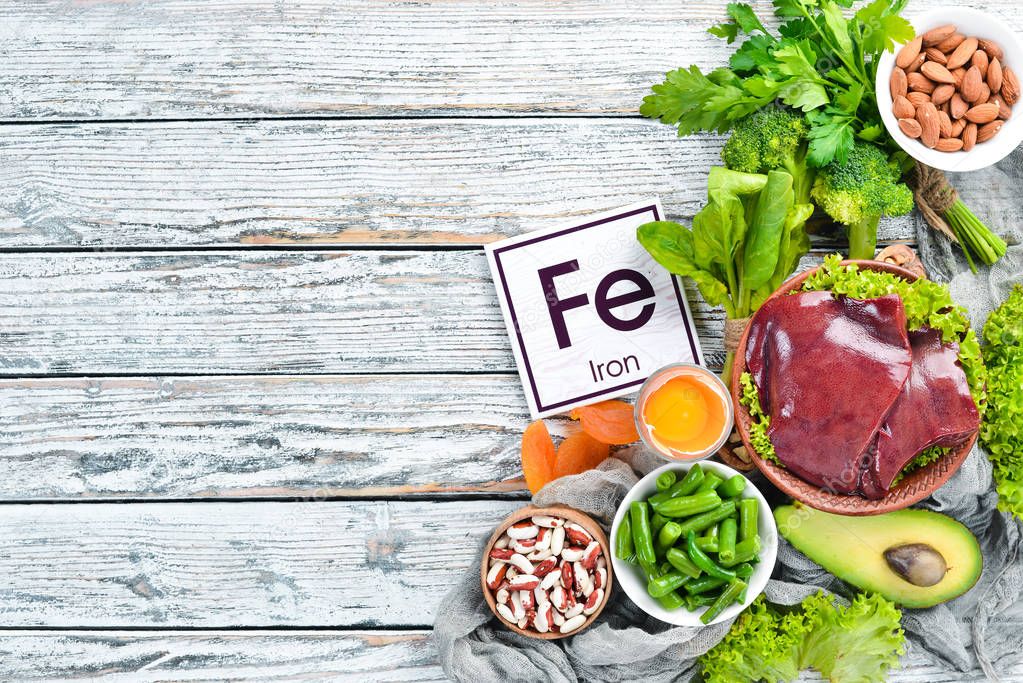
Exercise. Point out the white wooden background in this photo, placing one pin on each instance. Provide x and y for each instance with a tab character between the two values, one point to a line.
252	370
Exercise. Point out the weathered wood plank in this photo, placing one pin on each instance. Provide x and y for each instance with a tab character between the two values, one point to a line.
218	656
135	59
224	565
209	437
264	655
338	182
259	312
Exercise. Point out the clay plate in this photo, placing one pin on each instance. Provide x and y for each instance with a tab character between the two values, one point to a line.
571	515
913	488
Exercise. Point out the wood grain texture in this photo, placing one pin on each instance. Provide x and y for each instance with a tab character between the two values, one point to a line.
209	437
313	655
188	58
223	565
260	312
219	656
452	182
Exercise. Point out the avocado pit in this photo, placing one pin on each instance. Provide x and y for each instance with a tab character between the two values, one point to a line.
917	563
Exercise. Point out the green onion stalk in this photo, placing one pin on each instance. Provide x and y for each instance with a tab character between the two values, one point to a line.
945	212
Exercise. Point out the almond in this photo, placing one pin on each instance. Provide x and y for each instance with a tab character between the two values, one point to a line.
971	87
1003	109
983	113
944	125
920	83
937	35
927	116
959	74
917	63
949	145
898	83
962	54
1010	86
994	75
958	127
991	48
981	61
943	93
985	94
951	43
969	137
903	108
909	52
958	106
911	127
988	131
935	55
936	72
918	99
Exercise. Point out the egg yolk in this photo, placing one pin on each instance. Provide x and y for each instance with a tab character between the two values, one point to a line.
685	415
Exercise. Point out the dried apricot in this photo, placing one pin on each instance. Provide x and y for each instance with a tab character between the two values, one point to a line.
537	456
579	452
609	422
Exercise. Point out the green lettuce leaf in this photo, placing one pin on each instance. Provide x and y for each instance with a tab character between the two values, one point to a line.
1001	433
854	644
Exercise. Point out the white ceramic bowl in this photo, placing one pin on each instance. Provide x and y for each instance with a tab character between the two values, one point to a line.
970	22
632	580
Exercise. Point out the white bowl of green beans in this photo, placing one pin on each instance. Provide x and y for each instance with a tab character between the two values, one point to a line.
693	544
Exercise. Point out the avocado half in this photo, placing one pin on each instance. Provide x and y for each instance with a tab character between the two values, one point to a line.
854	549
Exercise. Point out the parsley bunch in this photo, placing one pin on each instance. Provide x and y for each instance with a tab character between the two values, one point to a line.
819	62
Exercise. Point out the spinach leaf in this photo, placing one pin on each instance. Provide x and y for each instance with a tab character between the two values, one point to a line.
763	242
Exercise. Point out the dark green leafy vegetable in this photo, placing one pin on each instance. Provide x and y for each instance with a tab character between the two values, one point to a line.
855	644
742	244
1001	433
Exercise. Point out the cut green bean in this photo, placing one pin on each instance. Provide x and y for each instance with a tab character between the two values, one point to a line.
748	509
704	584
707	545
642	536
701	560
665	480
695	602
666	583
710	482
672	601
727	597
685	487
623	540
666	538
728	529
687	506
656	522
732	487
680	561
744	571
708	519
745	551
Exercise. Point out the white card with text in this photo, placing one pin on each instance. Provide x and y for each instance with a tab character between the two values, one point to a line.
590	314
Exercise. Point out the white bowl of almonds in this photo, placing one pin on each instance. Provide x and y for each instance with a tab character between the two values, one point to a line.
950	96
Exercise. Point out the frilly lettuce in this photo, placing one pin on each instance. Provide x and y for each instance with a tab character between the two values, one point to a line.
1002	431
854	644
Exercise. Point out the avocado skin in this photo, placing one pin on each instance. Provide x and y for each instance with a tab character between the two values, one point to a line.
852	548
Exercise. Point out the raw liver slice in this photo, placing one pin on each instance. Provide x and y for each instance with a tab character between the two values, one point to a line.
828	370
934	409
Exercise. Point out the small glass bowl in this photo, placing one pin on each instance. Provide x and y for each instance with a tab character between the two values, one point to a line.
655	381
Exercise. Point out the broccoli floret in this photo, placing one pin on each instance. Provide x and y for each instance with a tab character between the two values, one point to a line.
858	192
769	139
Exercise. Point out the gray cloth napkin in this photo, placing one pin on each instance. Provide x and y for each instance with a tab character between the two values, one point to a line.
981	629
